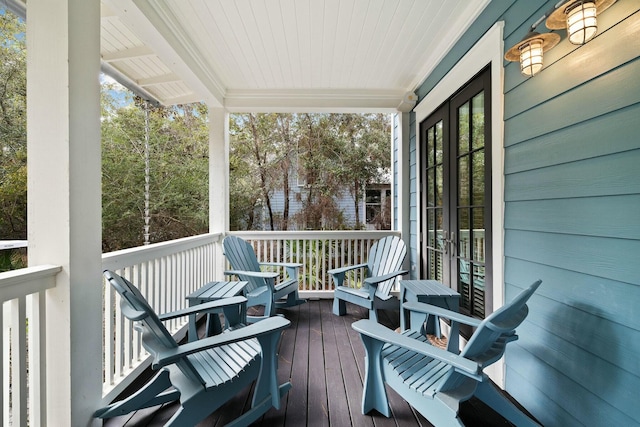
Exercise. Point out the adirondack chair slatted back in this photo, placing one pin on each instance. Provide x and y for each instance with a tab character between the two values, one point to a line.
242	257
155	337
386	256
488	342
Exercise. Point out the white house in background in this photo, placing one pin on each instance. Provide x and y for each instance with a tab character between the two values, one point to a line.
374	210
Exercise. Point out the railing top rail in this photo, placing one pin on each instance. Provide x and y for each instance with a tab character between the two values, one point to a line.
27	281
313	234
127	257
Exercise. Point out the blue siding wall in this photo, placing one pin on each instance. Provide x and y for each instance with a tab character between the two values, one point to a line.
572	216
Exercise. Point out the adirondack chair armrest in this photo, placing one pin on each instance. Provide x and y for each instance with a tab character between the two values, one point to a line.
338	273
264	327
421	307
283	264
291	267
260	274
373	281
201	308
378	332
342	270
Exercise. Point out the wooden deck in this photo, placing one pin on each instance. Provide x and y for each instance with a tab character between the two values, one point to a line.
323	358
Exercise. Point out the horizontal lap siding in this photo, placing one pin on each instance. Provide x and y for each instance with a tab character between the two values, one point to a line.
572	219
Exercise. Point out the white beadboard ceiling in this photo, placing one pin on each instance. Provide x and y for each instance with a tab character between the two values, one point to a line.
281	55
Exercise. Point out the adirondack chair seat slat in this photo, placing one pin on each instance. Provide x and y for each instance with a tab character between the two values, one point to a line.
224	363
382	268
433	380
206	373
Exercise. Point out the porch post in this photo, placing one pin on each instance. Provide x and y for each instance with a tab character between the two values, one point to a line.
218	176
64	197
402	176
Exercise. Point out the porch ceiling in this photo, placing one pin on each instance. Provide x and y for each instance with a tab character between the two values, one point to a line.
281	55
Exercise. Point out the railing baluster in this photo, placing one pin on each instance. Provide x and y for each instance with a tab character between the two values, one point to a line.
19	359
37	365
5	321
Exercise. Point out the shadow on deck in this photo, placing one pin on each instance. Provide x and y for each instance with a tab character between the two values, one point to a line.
323	358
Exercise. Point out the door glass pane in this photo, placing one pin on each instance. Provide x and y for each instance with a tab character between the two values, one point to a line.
431	188
438	138
463	181
478	291
463	128
464	237
478	235
477	166
439	185
478	121
464	283
439	233
430	147
431	228
439	276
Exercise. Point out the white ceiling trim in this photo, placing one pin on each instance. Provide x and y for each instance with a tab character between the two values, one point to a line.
308	101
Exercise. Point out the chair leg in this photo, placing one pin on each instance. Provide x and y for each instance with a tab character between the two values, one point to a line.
373	314
489	394
149	395
374	394
193	410
339	307
292	300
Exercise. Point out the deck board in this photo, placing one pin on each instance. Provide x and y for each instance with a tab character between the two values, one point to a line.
323	358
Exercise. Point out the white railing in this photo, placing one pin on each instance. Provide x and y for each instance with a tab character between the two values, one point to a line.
317	251
22	309
165	273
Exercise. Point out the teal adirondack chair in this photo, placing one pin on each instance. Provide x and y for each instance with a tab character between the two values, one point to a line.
262	288
202	374
433	380
382	267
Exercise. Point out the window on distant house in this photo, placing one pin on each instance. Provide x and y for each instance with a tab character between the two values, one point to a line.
378	208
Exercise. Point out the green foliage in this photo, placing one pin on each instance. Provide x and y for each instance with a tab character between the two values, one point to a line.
178	170
13	134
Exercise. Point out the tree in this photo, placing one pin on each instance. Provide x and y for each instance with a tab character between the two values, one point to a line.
178	168
13	139
13	124
328	153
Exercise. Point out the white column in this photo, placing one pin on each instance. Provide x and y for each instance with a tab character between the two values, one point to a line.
218	176
64	205
403	179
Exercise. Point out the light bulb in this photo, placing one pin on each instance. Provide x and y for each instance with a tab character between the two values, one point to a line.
582	24
531	57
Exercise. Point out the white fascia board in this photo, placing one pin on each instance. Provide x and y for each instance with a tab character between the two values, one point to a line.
152	26
314	101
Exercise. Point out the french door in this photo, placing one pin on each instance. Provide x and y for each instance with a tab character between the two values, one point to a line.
456	195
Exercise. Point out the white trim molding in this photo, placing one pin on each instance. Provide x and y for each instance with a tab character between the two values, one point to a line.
488	50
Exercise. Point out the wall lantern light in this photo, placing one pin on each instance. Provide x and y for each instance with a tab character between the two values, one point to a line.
529	51
579	17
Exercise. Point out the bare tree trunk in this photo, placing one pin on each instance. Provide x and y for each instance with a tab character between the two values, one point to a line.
357	198
262	167
286	168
